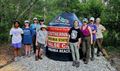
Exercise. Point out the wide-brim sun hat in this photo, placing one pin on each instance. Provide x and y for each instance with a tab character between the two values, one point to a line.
43	26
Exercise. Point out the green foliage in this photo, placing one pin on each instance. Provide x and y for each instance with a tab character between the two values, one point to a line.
11	10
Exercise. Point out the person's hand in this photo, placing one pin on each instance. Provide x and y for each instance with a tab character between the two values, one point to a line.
36	44
91	42
78	45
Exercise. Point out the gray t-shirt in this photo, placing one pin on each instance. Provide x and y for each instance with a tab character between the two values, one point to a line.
41	36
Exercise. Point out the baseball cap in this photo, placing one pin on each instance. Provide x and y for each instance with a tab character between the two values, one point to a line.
85	20
26	21
92	18
34	18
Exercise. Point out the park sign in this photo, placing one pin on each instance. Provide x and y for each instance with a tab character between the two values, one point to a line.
58	32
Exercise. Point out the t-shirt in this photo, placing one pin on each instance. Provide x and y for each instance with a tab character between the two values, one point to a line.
16	35
38	27
93	27
75	34
41	36
99	31
33	27
27	36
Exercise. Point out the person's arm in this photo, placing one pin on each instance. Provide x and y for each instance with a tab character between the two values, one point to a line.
103	29
21	31
11	35
79	42
79	39
46	38
36	42
68	38
95	30
91	35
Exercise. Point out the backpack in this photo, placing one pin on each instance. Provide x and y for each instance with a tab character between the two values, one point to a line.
85	32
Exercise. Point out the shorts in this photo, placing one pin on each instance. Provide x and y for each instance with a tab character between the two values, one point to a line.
41	45
16	45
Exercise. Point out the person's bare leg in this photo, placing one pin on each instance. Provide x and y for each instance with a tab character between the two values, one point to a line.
40	53
18	52
29	49
25	48
15	52
36	54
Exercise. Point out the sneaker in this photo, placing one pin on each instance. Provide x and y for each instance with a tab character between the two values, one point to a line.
74	63
29	55
16	59
85	62
92	59
39	57
77	64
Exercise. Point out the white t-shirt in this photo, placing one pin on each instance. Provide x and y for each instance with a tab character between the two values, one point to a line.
16	35
100	29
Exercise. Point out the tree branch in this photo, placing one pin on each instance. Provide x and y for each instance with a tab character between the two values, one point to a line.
27	8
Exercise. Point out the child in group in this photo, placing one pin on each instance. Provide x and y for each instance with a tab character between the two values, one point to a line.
27	38
16	33
41	40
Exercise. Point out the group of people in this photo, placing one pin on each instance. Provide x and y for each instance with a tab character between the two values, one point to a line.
31	35
87	35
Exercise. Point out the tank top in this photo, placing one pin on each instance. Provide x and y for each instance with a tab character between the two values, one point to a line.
85	32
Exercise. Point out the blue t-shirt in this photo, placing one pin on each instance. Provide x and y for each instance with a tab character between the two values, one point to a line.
33	27
93	27
27	36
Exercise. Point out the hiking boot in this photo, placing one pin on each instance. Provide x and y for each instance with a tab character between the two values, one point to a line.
36	58
74	63
77	64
